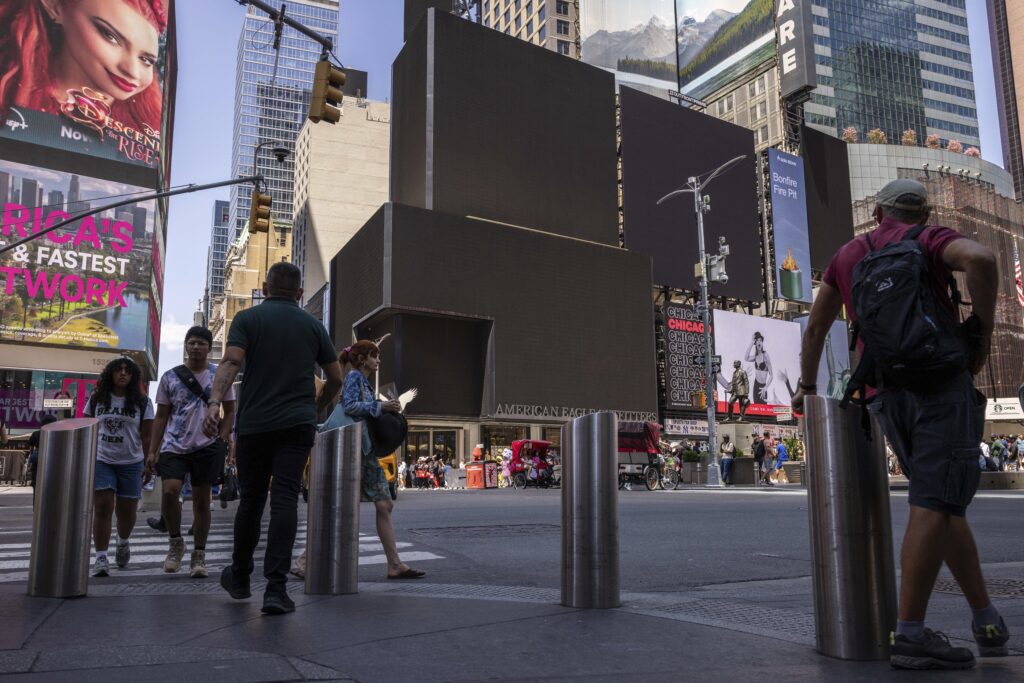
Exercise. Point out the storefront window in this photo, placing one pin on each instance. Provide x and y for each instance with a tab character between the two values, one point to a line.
444	446
24	395
552	434
497	438
417	444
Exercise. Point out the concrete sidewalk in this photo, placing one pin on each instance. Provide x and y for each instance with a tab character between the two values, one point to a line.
181	629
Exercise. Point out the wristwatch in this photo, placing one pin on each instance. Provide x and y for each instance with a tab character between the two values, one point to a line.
807	387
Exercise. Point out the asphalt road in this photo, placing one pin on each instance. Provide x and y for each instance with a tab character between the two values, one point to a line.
669	540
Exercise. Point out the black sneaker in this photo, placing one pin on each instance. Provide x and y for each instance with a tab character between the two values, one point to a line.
991	639
276	602
157	524
236	587
934	652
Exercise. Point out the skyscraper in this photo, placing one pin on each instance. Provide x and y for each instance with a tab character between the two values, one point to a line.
272	110
1006	24
219	240
894	65
29	192
55	200
553	24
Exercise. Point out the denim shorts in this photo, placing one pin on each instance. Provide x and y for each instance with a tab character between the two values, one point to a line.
937	439
124	480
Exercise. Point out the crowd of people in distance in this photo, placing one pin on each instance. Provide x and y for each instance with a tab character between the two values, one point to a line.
1002	453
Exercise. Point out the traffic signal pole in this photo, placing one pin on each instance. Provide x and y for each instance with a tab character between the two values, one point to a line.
278	16
133	200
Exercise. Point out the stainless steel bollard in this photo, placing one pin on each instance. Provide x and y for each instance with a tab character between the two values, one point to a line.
332	526
851	533
590	512
62	527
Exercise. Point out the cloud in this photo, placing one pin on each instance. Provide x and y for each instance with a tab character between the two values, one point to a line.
172	341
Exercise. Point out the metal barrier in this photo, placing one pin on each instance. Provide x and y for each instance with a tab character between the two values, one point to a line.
62	527
332	526
851	533
590	512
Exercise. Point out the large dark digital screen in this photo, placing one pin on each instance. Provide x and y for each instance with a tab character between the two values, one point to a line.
664	144
521	324
829	207
513	132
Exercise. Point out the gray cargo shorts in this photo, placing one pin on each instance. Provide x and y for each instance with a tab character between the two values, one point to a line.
937	439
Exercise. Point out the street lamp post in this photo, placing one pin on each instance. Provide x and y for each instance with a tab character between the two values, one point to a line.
710	267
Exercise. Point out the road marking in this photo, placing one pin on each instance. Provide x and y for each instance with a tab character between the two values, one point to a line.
149	549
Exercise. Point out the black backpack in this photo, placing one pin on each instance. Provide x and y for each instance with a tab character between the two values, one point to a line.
911	341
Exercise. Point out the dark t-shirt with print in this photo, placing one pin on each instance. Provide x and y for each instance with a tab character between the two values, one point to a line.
283	344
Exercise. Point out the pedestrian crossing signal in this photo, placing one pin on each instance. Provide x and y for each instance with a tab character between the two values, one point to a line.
259	212
325	103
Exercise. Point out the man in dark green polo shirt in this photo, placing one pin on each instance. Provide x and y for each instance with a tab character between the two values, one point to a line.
279	345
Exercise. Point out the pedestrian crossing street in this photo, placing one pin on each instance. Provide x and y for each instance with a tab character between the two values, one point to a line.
149	549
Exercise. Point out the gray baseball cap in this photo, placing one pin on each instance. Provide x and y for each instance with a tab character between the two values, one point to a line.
905	194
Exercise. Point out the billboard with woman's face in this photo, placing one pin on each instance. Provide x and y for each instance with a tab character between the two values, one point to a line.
86	76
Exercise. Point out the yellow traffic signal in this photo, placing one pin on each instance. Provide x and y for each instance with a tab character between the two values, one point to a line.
326	101
259	212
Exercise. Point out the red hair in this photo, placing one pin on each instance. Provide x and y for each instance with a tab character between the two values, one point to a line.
30	40
355	355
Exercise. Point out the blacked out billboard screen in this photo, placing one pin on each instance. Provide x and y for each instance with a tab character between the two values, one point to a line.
829	207
664	144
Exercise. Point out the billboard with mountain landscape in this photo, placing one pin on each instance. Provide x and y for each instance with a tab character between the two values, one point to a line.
718	39
633	38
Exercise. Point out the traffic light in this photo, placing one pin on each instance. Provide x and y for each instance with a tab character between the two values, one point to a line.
326	101
259	212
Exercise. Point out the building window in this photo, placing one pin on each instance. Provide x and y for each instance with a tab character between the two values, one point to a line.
540	13
761	138
519	22
562	27
759	111
725	105
562	7
563	47
542	34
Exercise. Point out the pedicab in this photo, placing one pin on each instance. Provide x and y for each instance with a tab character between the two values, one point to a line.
533	464
640	457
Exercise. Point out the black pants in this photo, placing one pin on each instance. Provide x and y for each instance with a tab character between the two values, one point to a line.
282	455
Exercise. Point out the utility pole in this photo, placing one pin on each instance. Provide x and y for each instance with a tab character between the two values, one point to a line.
709	268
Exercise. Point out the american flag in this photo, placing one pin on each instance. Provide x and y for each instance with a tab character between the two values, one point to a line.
1017	274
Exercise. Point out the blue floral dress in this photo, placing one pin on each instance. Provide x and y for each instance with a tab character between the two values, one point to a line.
357	403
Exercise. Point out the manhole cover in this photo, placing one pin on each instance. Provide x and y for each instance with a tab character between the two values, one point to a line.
997	588
489	530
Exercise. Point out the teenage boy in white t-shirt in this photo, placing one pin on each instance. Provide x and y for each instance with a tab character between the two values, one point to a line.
125	417
181	448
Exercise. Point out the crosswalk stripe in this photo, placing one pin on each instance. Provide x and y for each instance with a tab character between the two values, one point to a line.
149	549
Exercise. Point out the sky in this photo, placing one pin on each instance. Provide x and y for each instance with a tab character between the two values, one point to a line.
370	38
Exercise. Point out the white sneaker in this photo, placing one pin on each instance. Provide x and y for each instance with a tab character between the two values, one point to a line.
198	564
101	567
174	555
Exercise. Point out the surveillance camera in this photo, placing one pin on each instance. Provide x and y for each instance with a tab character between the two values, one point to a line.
723	279
280	153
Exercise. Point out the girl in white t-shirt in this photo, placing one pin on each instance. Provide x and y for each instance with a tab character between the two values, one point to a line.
125	417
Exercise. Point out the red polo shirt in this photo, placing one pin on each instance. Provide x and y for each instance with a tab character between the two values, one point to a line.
933	241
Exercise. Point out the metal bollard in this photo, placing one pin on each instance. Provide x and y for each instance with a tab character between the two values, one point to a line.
590	512
62	527
851	533
332	526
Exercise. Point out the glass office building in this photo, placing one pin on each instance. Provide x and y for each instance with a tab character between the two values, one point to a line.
894	65
274	111
220	234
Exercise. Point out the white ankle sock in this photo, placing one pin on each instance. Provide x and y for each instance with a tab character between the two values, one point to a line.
122	541
101	553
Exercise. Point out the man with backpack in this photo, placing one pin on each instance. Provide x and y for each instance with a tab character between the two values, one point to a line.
180	448
916	372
